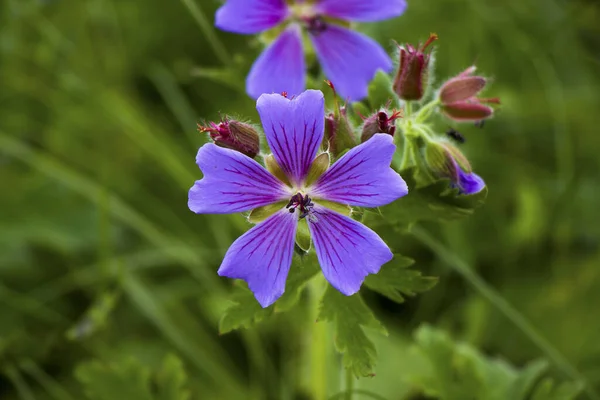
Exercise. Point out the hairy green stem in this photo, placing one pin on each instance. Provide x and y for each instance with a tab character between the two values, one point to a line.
407	153
490	294
425	111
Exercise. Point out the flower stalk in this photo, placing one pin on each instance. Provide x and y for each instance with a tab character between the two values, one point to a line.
318	340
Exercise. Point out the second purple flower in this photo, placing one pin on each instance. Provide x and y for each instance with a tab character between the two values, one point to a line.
349	59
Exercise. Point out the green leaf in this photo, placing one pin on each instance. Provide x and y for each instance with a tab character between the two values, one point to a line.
131	380
247	312
434	202
95	317
380	90
395	280
125	380
547	390
349	315
244	313
444	369
171	380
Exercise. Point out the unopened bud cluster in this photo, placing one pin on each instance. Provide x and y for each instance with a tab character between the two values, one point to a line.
437	155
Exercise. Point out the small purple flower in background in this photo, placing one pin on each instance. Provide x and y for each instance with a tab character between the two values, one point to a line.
349	59
347	250
447	161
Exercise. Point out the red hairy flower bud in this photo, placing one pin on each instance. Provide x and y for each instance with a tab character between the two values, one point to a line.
459	101
379	122
234	135
411	80
339	134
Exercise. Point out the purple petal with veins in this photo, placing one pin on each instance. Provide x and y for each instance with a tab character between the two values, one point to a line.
250	16
232	183
361	10
263	256
294	130
280	67
363	176
349	59
347	250
469	183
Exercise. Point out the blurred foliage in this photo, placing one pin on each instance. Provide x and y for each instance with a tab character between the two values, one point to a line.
108	282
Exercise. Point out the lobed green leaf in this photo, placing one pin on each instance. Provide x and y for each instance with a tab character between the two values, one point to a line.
395	280
349	315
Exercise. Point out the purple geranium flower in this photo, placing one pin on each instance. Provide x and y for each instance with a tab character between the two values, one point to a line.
349	59
347	250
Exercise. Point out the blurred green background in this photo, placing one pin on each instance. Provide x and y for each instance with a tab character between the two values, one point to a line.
108	282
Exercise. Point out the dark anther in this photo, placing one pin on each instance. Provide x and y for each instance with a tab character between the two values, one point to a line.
303	203
315	25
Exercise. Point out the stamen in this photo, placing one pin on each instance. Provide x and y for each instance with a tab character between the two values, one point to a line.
315	25
304	205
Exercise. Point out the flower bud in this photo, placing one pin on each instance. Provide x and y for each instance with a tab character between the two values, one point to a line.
459	101
412	77
338	130
379	122
234	135
447	161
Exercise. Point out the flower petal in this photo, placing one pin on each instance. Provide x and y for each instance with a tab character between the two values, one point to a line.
349	59
232	183
263	256
363	176
294	130
361	10
469	183
467	111
280	67
461	88
250	16
347	250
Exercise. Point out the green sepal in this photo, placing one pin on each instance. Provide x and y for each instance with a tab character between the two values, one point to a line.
350	315
395	280
337	207
435	201
275	170
303	235
380	90
317	168
261	213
